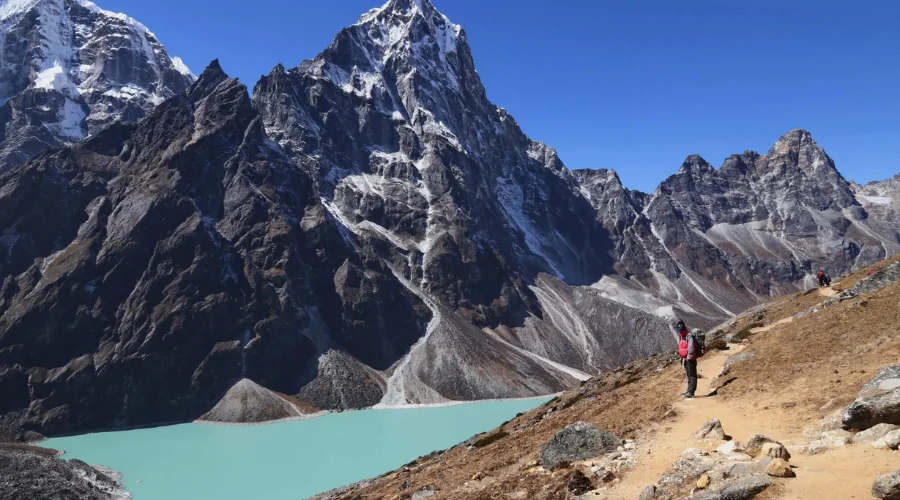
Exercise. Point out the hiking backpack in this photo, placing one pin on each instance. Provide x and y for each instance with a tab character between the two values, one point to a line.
699	342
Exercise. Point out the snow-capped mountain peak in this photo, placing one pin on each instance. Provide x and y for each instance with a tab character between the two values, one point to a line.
70	69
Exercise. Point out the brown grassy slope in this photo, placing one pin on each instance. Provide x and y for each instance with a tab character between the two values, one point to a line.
799	367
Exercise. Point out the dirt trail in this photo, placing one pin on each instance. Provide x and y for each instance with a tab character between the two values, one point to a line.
783	321
844	473
669	442
828	292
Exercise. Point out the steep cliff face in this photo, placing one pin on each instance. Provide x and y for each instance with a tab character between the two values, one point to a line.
881	199
69	69
369	229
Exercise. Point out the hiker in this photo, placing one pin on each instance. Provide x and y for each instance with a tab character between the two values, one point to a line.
824	280
687	349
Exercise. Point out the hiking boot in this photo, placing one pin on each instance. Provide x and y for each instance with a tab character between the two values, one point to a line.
688	396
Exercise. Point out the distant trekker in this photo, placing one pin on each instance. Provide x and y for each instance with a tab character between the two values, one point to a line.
687	349
824	280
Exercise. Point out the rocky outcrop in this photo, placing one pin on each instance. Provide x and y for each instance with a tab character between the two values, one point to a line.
31	473
70	69
577	442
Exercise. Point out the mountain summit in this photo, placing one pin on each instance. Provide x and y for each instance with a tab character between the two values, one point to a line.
70	69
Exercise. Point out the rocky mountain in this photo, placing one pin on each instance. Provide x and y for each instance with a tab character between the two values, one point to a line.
69	69
369	229
882	200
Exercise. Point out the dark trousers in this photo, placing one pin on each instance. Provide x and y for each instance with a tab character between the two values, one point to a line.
690	366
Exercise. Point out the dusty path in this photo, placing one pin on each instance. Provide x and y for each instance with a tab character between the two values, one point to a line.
828	292
844	473
669	442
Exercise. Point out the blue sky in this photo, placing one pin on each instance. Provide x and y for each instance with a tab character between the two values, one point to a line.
634	86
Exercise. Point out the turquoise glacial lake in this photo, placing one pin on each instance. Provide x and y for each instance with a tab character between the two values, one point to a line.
287	460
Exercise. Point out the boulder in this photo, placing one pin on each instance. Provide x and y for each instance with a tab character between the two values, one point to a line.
711	431
739	457
754	446
873	434
870	411
878	402
737	358
887	380
775	450
743	488
779	468
890	440
887	487
578	441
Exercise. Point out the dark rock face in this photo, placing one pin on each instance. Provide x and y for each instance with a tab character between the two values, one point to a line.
70	69
578	441
368	229
28	473
184	254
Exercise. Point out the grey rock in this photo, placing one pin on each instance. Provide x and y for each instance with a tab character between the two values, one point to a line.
874	433
733	360
887	486
887	380
742	488
755	444
578	441
868	412
35	473
648	493
883	277
890	440
711	431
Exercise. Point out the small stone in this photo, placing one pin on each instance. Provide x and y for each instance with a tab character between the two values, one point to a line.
711	431
775	450
703	482
779	468
478	476
620	449
630	446
887	487
532	463
739	457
